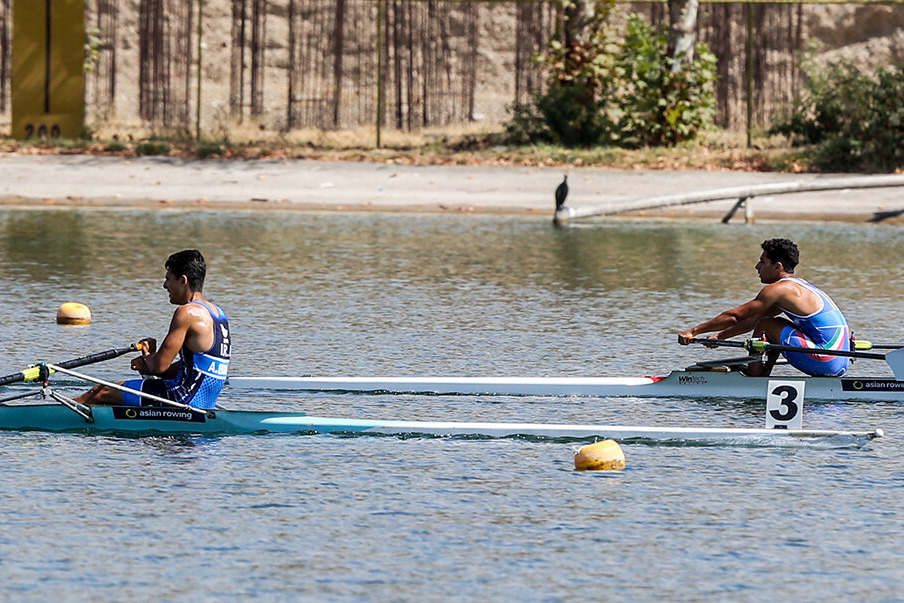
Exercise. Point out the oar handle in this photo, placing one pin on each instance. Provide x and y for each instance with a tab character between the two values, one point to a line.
34	372
720	342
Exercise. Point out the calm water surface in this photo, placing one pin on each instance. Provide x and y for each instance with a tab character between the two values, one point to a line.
381	518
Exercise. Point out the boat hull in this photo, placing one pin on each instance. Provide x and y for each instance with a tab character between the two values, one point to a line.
678	384
156	420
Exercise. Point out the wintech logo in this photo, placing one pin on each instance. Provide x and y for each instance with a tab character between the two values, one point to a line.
691	380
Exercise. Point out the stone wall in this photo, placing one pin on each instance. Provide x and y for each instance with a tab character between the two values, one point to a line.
286	64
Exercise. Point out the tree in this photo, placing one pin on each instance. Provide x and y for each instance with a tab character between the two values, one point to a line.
682	32
630	92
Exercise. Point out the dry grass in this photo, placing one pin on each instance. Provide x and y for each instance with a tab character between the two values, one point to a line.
463	145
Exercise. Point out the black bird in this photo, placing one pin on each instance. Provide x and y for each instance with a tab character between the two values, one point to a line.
878	216
561	193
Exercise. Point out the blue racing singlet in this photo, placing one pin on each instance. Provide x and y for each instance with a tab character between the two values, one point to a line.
201	376
826	329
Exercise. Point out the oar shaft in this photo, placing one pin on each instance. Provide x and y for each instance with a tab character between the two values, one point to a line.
756	345
32	373
98	357
122	388
773	347
865	344
26	375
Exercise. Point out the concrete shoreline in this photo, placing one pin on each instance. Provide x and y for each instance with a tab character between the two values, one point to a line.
37	181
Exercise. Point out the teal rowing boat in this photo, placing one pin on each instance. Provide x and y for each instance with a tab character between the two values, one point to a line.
148	420
168	417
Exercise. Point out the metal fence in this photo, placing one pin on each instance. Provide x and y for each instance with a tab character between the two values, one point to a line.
326	64
342	64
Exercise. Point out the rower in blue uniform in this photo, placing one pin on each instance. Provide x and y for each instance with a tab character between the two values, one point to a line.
813	320
825	329
198	335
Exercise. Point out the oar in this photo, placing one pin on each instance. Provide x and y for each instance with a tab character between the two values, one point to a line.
751	345
34	372
722	343
122	388
894	358
863	344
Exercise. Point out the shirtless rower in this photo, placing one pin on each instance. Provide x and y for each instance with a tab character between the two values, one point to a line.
814	321
198	335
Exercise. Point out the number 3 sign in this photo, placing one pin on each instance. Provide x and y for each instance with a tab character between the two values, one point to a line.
785	404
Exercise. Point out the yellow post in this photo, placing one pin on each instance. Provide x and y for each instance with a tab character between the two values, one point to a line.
48	73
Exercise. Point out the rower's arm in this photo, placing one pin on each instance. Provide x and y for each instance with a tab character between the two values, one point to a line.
723	324
160	362
737	320
745	325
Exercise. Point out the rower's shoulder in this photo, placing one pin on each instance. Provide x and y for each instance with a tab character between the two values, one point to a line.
777	288
789	283
192	311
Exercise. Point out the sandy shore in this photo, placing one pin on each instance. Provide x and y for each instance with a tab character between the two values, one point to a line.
88	181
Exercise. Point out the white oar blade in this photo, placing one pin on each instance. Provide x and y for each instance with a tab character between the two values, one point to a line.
895	360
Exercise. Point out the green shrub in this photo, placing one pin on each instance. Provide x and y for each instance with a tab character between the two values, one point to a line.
855	120
561	116
209	149
579	77
618	93
115	146
152	147
659	103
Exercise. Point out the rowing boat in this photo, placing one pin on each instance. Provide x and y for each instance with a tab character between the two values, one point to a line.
708	379
678	384
149	420
169	417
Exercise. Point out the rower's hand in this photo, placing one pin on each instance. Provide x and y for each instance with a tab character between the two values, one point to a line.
137	364
686	337
148	345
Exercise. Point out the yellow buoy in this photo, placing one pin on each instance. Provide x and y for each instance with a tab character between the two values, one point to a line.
606	455
72	313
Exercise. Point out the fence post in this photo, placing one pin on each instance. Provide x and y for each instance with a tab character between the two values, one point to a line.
198	94
750	50
379	122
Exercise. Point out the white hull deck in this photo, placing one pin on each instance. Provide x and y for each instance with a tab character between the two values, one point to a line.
678	384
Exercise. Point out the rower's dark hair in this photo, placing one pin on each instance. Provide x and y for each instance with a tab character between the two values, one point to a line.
782	250
190	264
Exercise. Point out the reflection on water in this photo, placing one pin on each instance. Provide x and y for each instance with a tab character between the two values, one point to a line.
365	293
324	517
41	246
